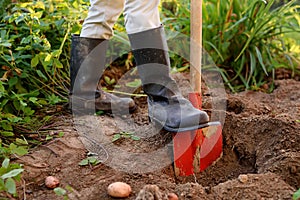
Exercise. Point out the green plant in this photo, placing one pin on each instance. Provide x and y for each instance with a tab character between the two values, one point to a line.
9	174
59	191
34	65
134	84
34	62
124	134
109	81
90	160
296	195
248	40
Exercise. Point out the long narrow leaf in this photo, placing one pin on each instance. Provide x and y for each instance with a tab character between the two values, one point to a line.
216	50
260	59
252	66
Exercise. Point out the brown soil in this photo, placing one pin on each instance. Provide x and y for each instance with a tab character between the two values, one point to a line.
261	154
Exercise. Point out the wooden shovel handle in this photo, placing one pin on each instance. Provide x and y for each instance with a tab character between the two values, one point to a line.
196	44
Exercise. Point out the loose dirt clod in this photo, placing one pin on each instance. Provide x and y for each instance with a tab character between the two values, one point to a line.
119	190
151	192
51	182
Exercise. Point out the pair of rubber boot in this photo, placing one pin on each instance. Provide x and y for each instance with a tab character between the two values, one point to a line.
166	105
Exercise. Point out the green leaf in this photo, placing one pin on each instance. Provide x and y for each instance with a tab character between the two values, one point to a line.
93	160
19	19
100	112
134	84
19	150
23	103
41	74
58	64
14	119
2	88
5	163
260	59
10	186
5	44
53	99
109	81
22	142
136	138
61	134
28	111
48	58
40	4
33	99
49	137
35	61
60	191
296	195
116	137
13	81
12	173
2	185
112	81
56	53
84	162
26	40
7	133
6	126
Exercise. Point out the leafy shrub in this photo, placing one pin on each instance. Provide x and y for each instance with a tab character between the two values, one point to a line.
34	55
248	40
34	67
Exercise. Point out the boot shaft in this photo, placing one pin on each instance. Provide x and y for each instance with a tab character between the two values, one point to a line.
150	51
86	64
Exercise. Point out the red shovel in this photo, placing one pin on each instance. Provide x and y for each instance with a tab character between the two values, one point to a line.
194	151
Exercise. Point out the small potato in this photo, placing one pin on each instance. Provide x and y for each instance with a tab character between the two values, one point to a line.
119	190
51	182
172	196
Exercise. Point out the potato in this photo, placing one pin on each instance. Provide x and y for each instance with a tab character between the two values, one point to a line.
119	189
172	196
51	182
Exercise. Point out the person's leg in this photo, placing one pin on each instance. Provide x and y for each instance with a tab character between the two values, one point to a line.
141	15
101	18
165	103
88	53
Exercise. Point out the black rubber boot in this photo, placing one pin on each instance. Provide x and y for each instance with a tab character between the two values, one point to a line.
166	105
87	64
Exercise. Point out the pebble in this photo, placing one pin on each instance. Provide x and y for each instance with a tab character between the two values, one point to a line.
119	190
243	178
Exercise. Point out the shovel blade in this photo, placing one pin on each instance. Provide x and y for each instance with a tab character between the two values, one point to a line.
183	154
194	151
211	147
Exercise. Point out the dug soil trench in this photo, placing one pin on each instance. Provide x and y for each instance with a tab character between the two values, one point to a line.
261	154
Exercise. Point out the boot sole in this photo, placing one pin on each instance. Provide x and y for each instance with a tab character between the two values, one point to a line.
88	111
183	129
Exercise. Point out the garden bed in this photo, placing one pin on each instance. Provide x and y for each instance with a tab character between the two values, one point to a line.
261	154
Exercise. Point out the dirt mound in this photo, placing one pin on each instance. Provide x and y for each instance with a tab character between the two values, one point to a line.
261	137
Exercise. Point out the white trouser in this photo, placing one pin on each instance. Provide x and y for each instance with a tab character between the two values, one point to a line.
140	15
